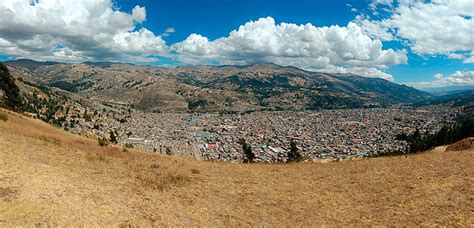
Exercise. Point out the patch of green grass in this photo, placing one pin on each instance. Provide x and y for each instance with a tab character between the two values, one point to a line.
3	117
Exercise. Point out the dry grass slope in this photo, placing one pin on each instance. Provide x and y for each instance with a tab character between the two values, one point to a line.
52	177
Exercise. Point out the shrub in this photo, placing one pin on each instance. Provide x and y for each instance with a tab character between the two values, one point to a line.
193	104
113	138
129	145
161	181
95	157
293	155
49	139
3	117
247	149
103	141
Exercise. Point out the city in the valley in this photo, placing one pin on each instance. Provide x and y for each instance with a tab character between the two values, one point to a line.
325	134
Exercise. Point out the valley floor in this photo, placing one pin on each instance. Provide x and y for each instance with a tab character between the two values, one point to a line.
51	177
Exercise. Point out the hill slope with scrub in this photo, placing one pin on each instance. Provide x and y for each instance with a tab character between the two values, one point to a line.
49	176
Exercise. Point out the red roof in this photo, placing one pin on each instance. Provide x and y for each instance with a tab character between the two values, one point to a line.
212	146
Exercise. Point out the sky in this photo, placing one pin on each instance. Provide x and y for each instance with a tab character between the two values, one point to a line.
425	44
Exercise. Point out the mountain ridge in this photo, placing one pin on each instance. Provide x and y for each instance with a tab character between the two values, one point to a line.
216	88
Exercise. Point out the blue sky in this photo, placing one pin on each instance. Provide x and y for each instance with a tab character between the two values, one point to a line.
423	44
216	18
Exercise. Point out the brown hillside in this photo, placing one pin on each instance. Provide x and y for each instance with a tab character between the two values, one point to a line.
465	144
215	88
51	177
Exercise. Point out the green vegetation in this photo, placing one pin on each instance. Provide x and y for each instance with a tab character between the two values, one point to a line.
193	104
13	99
113	138
103	141
446	135
294	155
247	149
3	117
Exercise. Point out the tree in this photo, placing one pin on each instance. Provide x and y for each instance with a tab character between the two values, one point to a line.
293	155
416	141
247	149
446	135
12	94
113	138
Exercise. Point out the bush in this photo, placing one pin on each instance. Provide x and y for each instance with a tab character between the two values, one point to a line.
293	155
103	141
193	104
247	149
113	138
3	117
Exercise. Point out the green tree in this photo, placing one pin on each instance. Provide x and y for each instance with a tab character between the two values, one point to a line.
247	149
294	155
113	138
446	135
416	141
13	99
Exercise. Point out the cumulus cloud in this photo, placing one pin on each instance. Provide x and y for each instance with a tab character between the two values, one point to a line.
306	46
378	30
437	27
96	30
76	31
459	78
361	71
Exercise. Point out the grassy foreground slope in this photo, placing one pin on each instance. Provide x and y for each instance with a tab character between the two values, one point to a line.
48	176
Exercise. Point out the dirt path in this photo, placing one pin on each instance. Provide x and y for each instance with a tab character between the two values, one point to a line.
439	149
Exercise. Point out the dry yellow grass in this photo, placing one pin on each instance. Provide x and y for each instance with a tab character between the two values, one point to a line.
50	177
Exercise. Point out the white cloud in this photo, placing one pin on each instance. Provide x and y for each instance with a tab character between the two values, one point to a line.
377	30
470	59
438	76
88	30
459	78
376	3
168	32
455	56
360	71
305	46
437	27
75	31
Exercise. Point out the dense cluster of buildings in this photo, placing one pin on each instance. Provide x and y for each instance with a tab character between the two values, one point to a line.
318	134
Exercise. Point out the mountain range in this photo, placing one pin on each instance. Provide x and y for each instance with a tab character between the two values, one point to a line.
215	88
